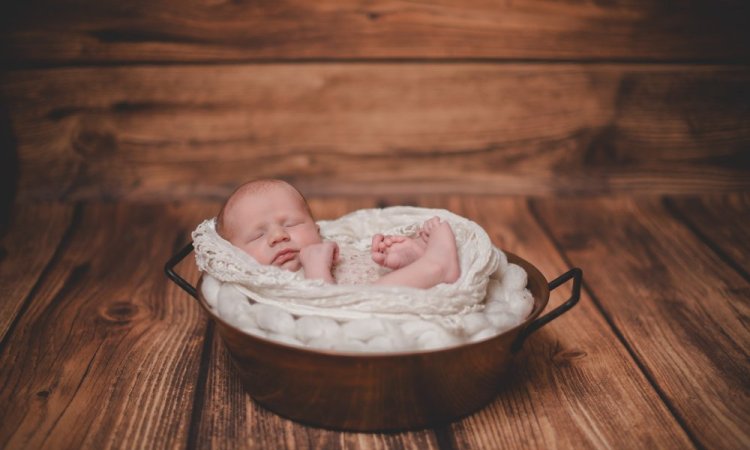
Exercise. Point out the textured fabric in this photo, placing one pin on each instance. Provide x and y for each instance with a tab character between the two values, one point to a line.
356	267
478	258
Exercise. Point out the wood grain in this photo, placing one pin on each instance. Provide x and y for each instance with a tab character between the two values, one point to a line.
73	31
106	355
722	222
681	310
196	132
573	384
34	234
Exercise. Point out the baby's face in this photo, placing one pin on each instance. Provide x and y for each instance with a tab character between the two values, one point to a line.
272	227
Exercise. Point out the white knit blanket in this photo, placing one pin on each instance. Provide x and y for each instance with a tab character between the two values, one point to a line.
478	258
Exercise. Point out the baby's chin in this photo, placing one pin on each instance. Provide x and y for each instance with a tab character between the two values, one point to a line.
292	265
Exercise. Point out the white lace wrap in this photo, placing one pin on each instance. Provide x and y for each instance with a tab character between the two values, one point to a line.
270	285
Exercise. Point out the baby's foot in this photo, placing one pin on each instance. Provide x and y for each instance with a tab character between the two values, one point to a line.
395	252
441	249
427	227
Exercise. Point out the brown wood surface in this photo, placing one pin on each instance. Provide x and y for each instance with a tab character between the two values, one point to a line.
26	249
109	354
73	31
106	355
192	132
723	222
680	308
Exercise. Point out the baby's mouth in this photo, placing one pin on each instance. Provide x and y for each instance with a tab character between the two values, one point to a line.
284	256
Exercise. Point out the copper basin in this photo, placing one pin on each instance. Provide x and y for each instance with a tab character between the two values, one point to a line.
380	391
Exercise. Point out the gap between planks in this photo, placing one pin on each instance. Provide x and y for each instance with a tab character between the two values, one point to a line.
739	62
678	215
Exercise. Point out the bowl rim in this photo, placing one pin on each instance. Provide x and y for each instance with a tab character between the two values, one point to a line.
539	306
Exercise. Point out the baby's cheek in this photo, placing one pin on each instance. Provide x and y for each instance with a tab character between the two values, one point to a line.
256	254
314	238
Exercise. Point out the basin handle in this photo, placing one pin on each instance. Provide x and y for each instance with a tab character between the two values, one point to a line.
577	275
172	275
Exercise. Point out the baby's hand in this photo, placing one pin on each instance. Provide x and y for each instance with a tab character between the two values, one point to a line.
318	259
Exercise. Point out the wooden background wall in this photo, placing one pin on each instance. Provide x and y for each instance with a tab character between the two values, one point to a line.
177	99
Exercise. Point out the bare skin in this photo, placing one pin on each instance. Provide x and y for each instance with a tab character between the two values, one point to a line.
273	224
395	252
318	260
429	259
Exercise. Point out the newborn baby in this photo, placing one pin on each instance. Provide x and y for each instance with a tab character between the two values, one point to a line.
271	221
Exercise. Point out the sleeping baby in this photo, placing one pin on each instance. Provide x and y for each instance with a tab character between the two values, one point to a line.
271	221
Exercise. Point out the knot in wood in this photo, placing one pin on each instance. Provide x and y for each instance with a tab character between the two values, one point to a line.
566	357
119	313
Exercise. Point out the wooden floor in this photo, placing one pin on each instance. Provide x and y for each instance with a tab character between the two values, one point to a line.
99	350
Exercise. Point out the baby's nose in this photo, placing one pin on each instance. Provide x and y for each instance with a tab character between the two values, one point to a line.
278	234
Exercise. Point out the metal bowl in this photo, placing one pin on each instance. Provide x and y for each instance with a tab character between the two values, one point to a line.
380	391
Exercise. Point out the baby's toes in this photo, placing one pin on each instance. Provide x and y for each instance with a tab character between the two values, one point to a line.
379	258
430	225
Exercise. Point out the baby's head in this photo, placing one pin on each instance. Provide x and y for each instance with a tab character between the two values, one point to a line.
270	221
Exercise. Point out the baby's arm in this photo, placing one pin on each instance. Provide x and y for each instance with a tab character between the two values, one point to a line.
317	260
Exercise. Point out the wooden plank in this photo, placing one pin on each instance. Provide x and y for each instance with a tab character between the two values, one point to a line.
677	305
722	222
230	419
573	385
196	132
72	31
106	355
33	235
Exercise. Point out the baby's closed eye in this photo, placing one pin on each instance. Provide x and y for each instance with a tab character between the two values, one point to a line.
255	236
